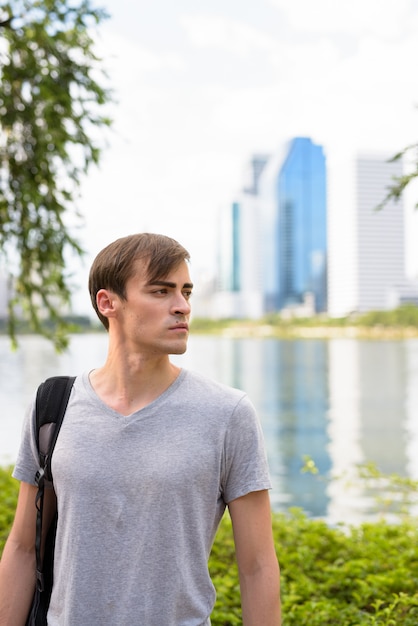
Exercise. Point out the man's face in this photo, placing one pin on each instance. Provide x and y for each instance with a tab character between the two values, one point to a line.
155	316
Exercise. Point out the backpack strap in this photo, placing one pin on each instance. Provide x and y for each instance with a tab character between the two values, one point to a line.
51	402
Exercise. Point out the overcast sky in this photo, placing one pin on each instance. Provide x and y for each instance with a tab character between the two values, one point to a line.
203	84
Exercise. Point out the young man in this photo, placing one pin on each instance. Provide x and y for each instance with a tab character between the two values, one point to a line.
148	457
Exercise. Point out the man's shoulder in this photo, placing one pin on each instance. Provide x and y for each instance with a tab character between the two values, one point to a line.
205	384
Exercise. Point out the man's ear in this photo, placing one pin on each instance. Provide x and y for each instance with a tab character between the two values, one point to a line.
106	301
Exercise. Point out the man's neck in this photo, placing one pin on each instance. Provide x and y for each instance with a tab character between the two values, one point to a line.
131	385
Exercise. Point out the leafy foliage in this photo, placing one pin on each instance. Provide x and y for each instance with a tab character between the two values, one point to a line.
403	316
400	183
394	496
330	576
50	118
8	489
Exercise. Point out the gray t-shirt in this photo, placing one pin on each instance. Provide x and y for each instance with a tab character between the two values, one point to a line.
140	499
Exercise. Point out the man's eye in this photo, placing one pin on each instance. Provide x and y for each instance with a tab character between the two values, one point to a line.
187	294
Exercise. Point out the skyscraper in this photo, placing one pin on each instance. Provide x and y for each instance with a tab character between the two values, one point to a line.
366	245
273	237
238	286
294	208
380	235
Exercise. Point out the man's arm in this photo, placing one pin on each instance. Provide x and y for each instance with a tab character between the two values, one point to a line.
257	562
18	562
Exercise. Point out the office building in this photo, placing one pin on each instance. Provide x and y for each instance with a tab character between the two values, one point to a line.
273	237
239	286
293	210
366	245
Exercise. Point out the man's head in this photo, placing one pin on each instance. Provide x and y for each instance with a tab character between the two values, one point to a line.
118	262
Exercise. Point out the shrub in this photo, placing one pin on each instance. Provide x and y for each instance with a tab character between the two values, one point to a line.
344	576
8	488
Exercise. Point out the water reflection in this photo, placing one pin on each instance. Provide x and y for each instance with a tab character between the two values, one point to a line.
342	402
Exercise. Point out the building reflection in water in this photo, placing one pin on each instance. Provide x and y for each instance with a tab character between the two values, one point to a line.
287	382
342	402
411	403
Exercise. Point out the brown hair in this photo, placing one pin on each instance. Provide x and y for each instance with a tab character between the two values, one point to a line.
115	264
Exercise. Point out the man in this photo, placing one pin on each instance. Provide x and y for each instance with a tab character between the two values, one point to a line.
148	457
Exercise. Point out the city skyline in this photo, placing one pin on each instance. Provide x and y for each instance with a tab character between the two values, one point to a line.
200	88
287	245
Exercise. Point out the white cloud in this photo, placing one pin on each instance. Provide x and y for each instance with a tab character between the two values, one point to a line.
230	35
353	17
128	58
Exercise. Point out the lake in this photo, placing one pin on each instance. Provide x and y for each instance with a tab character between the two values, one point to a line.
342	402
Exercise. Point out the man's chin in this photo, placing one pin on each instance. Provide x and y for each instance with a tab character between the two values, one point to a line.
179	349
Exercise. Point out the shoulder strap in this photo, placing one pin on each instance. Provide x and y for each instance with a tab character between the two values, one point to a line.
51	402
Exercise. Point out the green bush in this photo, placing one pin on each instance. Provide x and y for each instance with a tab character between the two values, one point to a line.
8	490
342	576
405	315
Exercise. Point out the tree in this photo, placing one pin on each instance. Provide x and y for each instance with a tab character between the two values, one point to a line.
50	113
400	183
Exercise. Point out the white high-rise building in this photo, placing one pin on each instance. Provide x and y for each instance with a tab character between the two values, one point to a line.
366	245
239	285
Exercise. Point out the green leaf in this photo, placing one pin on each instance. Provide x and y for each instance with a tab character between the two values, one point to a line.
50	109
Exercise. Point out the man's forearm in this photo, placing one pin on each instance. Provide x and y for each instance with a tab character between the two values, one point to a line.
17	584
260	597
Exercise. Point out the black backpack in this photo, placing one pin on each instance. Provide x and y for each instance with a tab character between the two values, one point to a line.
51	402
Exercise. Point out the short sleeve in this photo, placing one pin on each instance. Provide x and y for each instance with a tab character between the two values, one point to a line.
245	460
27	463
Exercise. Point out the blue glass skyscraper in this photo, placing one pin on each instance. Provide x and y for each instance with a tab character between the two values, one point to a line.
302	225
273	238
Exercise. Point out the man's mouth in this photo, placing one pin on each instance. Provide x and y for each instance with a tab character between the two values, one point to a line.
180	327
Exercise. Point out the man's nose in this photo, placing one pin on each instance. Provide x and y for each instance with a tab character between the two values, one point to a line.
182	305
